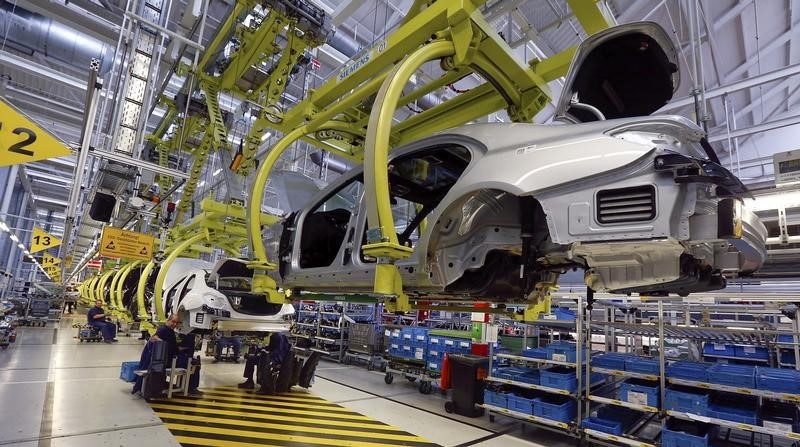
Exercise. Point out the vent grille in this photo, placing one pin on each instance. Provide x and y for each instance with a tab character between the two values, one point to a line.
635	204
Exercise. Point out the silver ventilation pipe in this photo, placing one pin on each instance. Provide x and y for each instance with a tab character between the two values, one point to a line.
335	165
30	33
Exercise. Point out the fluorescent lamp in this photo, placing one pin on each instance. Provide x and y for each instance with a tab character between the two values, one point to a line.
217	172
21	246
14	238
49	200
3	227
266	136
201	184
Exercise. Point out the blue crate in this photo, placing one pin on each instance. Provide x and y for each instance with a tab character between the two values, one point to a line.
531	377
719	350
495	398
626	416
433	365
419	353
785	338
787	357
464	346
732	375
127	369
394	334
735	408
520	404
562	351
686	434
395	350
559	377
535	353
688	371
603	425
509	372
555	408
450	344
434	340
642	365
752	352
642	392
610	360
435	354
686	400
778	380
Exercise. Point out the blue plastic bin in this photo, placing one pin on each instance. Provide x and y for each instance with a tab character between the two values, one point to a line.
495	398
603	425
520	404
686	400
778	380
638	391
752	352
559	377
559	313
732	375
642	365
127	369
434	340
685	370
626	416
555	408
734	408
787	357
679	433
562	351
611	360
719	350
531	377
535	353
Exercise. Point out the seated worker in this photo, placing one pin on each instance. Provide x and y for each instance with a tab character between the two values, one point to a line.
274	353
96	317
166	333
225	338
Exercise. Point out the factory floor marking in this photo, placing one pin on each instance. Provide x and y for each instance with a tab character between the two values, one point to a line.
229	417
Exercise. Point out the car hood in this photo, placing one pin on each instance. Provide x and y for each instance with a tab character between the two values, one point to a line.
624	71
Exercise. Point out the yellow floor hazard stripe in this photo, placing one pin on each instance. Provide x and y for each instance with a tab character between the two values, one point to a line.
228	417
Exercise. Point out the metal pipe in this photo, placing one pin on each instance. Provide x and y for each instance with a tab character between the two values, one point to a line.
701	70
30	33
92	98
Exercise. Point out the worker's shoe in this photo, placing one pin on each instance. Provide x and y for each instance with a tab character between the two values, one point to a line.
247	384
108	341
114	340
195	392
216	360
236	360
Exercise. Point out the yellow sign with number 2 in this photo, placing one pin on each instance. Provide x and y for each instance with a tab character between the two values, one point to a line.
22	141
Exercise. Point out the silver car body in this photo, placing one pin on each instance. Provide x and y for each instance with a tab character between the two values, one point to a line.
638	202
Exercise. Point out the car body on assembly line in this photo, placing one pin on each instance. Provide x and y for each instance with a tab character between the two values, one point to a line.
639	202
203	294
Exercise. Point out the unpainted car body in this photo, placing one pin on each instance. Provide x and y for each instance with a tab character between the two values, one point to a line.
639	202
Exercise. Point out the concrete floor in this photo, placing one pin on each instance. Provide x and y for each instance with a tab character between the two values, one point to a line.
58	392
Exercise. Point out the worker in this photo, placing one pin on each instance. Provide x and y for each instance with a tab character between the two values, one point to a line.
166	333
226	338
185	358
265	359
97	318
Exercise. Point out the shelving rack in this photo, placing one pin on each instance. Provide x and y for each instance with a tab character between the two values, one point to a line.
763	332
569	327
315	323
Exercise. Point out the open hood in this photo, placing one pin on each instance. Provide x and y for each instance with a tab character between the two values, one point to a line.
624	71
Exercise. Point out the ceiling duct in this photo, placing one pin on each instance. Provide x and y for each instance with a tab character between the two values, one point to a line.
30	33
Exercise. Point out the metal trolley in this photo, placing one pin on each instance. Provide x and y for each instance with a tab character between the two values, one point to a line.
365	343
37	312
413	371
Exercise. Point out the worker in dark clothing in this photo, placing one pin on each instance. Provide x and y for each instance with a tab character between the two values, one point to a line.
186	348
166	333
96	317
273	354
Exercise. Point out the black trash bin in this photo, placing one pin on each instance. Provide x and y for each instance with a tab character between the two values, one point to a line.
466	379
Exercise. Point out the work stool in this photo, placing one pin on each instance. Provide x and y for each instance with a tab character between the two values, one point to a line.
177	379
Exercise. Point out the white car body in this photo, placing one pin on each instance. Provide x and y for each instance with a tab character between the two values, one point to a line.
204	294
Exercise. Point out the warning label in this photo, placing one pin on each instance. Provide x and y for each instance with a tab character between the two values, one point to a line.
118	243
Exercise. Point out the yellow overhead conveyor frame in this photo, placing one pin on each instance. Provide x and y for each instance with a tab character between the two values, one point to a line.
101	285
121	281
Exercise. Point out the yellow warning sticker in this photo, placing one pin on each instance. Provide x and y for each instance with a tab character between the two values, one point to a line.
118	243
43	240
22	141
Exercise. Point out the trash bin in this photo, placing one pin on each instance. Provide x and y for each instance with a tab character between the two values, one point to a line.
466	378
